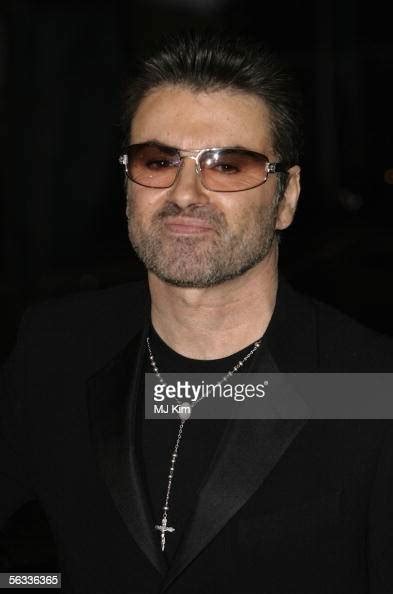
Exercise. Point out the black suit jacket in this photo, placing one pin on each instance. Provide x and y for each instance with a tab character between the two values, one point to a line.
290	506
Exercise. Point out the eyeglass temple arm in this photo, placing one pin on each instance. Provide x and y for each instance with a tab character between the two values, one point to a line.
278	167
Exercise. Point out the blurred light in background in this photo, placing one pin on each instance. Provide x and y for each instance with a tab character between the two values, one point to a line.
388	176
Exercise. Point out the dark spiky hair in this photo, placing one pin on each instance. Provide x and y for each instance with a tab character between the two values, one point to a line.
216	61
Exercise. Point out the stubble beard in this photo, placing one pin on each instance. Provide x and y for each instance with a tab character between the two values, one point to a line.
206	260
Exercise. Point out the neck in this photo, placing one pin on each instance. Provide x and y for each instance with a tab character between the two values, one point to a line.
218	321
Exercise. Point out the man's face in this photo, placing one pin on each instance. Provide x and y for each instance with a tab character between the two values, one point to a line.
190	236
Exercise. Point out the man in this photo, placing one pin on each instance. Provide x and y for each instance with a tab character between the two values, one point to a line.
139	505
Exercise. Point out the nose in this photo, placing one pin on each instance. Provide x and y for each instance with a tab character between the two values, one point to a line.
188	189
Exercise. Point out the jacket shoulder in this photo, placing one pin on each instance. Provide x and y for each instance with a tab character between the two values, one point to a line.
343	338
314	335
86	311
82	329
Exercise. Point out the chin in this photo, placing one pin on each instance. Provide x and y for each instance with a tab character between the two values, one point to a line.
201	279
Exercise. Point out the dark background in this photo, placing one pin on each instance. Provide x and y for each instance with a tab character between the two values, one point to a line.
62	227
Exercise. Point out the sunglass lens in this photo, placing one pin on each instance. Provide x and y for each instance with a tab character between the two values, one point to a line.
231	170
152	165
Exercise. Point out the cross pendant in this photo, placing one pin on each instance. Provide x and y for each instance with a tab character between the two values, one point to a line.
164	528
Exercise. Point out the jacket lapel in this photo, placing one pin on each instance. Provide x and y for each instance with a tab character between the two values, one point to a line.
112	397
251	448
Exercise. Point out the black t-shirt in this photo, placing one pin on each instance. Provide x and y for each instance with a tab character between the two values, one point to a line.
156	438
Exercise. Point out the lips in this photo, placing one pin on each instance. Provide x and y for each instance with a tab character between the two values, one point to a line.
187	226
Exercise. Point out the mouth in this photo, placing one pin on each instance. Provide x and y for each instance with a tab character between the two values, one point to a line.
187	226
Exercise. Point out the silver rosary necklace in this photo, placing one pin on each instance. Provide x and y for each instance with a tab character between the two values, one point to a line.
184	415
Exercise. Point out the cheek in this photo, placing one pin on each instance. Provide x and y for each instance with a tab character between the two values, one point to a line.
240	210
142	204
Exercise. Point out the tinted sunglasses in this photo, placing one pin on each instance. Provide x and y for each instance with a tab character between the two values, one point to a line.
155	165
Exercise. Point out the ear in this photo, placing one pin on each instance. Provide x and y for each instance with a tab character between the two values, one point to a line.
287	205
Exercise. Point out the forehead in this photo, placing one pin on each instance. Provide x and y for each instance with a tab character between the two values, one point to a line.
181	117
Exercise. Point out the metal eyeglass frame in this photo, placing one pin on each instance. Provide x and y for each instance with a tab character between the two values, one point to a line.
196	154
